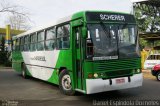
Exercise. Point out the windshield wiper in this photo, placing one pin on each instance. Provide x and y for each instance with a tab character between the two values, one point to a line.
125	24
106	32
105	29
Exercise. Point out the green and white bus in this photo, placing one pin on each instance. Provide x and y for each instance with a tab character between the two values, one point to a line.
88	52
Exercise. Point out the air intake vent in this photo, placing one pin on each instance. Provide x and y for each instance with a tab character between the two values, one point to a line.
117	67
112	65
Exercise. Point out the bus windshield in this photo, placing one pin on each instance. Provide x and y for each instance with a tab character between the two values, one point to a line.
106	41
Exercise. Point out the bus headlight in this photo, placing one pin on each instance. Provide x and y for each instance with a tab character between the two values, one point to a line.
95	75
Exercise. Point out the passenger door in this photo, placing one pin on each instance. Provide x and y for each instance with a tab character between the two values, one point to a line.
79	57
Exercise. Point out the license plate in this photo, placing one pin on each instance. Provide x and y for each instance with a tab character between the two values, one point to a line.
120	81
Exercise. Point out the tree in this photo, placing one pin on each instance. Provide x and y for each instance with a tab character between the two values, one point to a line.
3	53
2	44
18	16
13	9
147	16
18	22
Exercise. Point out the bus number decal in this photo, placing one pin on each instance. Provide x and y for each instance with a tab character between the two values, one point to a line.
39	58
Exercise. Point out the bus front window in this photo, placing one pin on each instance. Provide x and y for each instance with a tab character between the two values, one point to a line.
111	41
128	43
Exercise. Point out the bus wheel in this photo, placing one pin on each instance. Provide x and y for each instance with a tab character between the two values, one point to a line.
158	76
65	83
24	74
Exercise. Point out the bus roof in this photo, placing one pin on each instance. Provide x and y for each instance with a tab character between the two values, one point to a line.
65	19
62	20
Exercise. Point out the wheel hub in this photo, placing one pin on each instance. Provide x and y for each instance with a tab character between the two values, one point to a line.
23	73
66	82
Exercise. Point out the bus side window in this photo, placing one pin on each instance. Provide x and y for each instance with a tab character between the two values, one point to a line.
89	45
77	38
14	45
26	43
33	39
40	42
21	43
17	44
50	39
63	37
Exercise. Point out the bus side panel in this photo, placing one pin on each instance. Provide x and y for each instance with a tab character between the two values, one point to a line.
64	60
17	61
54	78
16	66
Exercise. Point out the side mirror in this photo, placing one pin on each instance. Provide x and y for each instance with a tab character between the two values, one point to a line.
84	32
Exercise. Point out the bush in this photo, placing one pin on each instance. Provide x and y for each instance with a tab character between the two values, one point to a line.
3	57
8	64
4	60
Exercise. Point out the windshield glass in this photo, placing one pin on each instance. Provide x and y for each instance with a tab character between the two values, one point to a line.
112	41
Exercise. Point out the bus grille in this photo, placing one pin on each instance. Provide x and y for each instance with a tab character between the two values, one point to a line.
117	67
118	73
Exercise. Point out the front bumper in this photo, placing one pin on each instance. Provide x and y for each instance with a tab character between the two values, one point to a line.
100	85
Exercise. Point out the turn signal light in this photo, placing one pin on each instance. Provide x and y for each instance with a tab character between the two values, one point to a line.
90	75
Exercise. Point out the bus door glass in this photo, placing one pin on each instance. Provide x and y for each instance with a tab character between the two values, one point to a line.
78	46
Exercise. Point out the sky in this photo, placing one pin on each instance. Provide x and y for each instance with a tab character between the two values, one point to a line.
46	11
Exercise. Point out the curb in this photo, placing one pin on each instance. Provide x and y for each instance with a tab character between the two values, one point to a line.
5	67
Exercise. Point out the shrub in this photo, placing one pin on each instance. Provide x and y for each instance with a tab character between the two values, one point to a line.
4	60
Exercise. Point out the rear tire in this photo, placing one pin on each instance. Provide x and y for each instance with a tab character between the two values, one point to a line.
65	83
24	71
158	76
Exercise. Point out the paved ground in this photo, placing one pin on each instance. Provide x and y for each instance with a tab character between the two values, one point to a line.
16	90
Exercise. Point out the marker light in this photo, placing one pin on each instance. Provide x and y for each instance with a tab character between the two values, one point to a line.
102	74
138	70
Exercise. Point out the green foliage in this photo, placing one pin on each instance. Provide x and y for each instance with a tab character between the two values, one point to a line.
146	43
7	63
147	17
148	20
143	43
2	44
3	57
4	54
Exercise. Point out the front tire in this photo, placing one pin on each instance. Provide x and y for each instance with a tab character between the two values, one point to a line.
65	83
158	76
24	71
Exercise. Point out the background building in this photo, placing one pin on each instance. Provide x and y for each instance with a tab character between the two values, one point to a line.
7	33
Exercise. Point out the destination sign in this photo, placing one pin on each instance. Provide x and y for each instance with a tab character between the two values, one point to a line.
110	17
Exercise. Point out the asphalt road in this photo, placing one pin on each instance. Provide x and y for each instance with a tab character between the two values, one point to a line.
15	90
